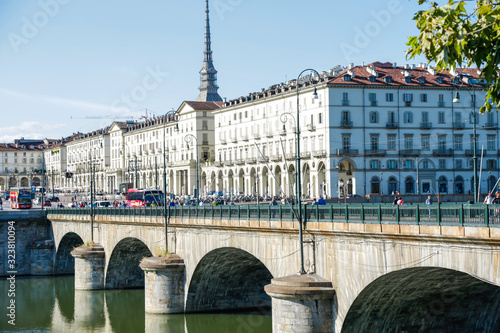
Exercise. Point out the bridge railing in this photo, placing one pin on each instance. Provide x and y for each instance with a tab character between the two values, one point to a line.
437	214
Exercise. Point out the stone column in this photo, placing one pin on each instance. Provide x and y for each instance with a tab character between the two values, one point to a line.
89	267
301	303
165	278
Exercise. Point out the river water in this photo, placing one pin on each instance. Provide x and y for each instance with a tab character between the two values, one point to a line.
51	304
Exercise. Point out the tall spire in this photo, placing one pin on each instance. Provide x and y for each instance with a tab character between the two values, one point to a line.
208	74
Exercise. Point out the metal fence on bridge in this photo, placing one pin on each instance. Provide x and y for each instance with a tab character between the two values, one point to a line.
438	214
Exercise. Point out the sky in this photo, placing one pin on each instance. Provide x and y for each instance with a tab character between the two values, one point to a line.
70	66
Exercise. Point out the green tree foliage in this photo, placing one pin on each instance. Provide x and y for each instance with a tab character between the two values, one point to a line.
453	37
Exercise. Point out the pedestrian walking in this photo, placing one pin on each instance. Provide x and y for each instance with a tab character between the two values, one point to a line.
428	202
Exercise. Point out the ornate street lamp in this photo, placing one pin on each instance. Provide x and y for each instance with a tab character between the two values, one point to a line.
187	139
474	120
165	214
298	180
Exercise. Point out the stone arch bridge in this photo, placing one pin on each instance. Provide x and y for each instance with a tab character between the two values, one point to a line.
386	277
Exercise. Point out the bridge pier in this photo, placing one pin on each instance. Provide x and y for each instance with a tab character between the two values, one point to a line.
165	278
302	303
89	267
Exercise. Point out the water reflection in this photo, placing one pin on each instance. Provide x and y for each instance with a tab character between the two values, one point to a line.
53	305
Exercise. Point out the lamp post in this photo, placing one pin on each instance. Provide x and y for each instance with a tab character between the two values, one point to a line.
165	214
381	187
187	139
298	180
474	120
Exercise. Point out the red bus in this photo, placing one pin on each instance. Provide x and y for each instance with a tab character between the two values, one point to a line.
20	197
138	197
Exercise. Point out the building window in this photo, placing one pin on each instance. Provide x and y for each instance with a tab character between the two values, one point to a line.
392	185
409	185
458	164
408	164
389	97
347	78
345	98
426	142
346	118
372	78
374	164
459	185
442	142
374	117
392	164
491	164
408	141
408	98
320	118
425	117
346	141
490	143
442	184
391	142
441	117
408	117
374	142
375	185
442	164
441	100
425	164
373	99
458	142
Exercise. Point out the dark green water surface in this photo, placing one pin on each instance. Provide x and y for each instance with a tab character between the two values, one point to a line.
51	304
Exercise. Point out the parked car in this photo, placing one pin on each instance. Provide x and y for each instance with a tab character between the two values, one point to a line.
53	199
47	203
103	204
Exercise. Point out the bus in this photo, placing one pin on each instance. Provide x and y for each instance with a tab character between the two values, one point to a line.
20	197
138	197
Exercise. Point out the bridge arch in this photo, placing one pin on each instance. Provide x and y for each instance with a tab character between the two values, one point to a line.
123	269
425	299
65	262
228	279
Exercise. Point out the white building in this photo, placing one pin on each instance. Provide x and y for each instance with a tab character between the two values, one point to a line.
374	129
21	163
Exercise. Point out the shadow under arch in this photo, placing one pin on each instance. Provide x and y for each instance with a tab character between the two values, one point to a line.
228	279
123	267
65	262
425	299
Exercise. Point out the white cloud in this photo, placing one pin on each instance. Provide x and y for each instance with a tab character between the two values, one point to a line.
28	130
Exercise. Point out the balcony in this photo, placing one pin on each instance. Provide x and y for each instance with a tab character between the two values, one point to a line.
251	160
375	152
458	125
490	125
204	143
409	152
256	136
234	139
223	141
426	125
345	124
275	158
218	164
442	152
310	127
240	162
347	152
441	104
289	157
391	125
373	103
269	134
244	137
345	102
228	163
319	153
263	159
305	154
